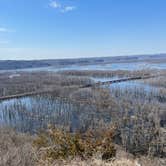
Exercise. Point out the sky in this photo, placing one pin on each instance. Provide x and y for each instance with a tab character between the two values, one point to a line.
56	29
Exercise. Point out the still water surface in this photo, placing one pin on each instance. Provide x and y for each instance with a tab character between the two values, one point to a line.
113	66
31	114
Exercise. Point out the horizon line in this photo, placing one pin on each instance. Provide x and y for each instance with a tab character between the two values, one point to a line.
93	57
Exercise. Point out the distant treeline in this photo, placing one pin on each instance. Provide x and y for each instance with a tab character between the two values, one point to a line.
109	73
12	64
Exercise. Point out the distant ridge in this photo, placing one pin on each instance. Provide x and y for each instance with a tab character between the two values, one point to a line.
22	64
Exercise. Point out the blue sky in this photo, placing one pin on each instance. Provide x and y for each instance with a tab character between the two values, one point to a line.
44	29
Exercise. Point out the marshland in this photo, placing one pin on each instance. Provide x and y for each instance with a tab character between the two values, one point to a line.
68	123
82	83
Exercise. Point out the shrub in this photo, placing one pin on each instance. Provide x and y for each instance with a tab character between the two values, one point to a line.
59	144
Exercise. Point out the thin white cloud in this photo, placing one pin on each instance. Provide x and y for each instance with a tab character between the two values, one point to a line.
63	9
55	4
68	9
5	30
2	29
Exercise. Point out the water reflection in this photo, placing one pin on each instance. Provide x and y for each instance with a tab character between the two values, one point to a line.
30	114
140	85
33	113
110	66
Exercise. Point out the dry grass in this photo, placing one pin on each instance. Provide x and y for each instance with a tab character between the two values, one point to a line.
34	81
15	149
108	73
158	82
143	161
147	113
99	162
55	144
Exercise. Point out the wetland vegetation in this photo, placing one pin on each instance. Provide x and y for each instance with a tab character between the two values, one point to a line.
70	122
